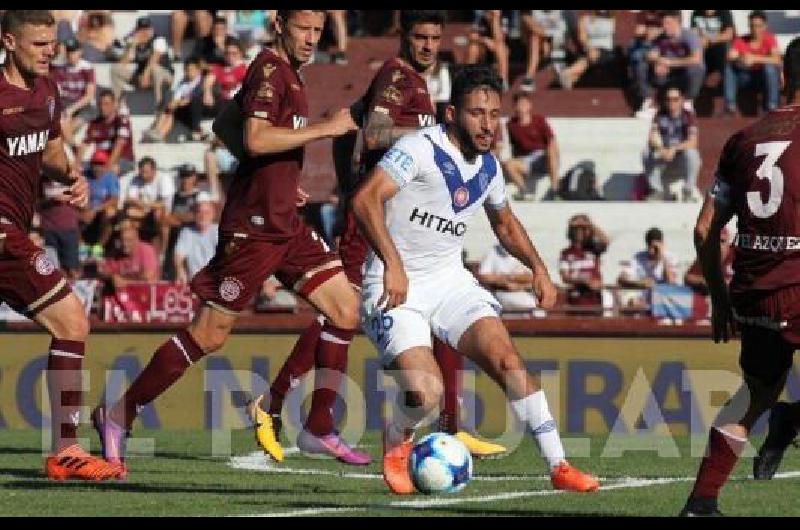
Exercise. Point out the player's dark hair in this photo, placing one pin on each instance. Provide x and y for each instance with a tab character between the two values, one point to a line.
411	17
757	13
791	69
286	14
654	234
473	77
147	160
14	19
106	93
674	13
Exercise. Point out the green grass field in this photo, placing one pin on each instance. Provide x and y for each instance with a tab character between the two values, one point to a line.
183	479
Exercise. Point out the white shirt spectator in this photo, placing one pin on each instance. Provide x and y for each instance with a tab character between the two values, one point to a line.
498	261
642	266
162	188
197	247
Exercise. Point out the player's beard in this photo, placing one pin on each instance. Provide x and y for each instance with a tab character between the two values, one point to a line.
468	146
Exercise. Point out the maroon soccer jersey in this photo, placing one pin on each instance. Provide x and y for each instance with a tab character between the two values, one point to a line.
73	80
526	139
28	120
759	176
104	135
261	199
584	265
400	92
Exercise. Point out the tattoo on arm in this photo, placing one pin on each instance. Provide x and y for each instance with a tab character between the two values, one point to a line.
380	131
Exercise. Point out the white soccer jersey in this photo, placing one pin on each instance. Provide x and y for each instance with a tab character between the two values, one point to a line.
439	193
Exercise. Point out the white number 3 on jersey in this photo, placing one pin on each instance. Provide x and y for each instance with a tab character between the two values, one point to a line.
769	170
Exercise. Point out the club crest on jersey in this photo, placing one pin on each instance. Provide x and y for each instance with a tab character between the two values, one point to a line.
392	94
268	69
43	265
230	289
461	197
397	75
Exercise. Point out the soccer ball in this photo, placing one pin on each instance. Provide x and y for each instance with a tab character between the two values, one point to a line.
440	463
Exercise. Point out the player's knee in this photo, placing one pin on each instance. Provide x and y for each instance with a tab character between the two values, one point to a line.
345	315
77	328
508	362
209	340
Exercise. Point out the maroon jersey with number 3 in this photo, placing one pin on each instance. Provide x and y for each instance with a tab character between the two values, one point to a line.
759	176
262	198
28	120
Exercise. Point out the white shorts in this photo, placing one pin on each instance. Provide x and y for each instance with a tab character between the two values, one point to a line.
446	308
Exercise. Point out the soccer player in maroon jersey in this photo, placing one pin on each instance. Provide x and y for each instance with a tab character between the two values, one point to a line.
261	233
396	102
757	180
31	146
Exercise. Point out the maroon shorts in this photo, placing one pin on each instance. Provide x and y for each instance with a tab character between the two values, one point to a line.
29	281
241	264
353	248
769	323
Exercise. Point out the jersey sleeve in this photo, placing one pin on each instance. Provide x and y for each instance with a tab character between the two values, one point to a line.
402	161
55	111
390	93
723	180
496	197
262	93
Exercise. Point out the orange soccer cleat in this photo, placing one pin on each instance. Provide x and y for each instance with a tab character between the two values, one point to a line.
568	478
395	467
74	463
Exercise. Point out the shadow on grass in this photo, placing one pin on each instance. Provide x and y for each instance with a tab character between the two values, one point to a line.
45	484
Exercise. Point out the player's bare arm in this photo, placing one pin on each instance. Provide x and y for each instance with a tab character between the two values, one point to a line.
56	166
368	206
713	217
380	131
515	240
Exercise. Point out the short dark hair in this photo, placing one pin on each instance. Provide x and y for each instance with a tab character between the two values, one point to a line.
105	93
286	14
147	160
757	13
472	77
411	17
220	20
230	40
14	19
654	234
194	59
674	13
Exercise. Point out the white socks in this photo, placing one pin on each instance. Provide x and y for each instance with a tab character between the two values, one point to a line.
534	412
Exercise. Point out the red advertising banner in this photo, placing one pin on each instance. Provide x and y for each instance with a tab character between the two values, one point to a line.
150	302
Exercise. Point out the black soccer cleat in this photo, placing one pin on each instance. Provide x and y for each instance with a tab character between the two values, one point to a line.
780	436
701	507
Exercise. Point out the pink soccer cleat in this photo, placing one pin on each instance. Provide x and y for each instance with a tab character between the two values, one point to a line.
113	438
332	445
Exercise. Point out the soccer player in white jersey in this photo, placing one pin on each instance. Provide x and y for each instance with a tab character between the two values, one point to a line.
414	209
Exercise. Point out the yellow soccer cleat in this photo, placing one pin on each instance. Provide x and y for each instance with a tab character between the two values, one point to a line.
479	448
266	431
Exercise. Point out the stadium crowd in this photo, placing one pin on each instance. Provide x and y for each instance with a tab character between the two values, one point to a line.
146	223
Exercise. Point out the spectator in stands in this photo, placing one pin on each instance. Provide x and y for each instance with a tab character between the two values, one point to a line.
579	263
222	82
187	106
211	49
253	27
77	87
509	281
96	33
754	61
133	260
59	226
694	278
145	63
646	31
488	38
716	31
218	160
676	58
110	133
595	45
179	21
673	147
197	241
651	266
546	34
182	212
534	150
338	18
150	193
103	199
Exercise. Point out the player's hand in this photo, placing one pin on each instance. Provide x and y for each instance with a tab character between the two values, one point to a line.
302	197
341	122
723	324
79	190
545	290
395	288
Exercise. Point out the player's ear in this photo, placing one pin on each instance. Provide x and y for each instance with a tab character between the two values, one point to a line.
449	114
9	41
279	24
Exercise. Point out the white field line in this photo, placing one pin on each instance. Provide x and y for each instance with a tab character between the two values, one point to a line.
257	462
